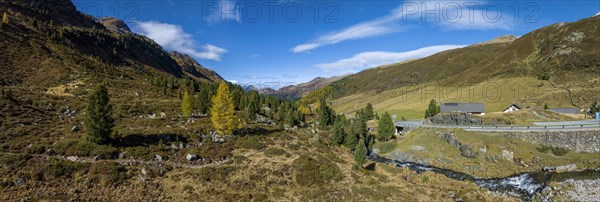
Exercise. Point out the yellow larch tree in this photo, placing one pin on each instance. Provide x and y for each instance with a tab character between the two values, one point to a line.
222	112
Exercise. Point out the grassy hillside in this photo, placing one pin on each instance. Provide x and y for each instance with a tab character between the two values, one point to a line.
496	94
566	54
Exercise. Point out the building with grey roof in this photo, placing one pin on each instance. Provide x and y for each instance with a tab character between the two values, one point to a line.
471	108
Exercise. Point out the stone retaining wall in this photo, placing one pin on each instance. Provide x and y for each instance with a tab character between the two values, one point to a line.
576	141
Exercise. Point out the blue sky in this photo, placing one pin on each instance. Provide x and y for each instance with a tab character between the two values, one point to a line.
275	43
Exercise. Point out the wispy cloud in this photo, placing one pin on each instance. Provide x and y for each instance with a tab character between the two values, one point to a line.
173	37
377	27
364	60
451	15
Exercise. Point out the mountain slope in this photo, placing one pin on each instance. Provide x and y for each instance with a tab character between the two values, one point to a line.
568	53
194	69
47	42
295	92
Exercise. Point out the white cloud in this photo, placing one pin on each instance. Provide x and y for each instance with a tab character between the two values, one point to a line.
173	37
377	27
453	15
233	81
364	60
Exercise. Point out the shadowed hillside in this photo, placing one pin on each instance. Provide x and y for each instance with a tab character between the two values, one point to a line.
46	42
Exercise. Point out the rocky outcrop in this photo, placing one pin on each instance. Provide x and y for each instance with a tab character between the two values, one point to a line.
194	69
453	119
573	190
561	169
406	157
451	139
465	149
576	141
115	25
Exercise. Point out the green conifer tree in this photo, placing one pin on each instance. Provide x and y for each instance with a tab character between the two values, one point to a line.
360	154
386	128
99	122
338	132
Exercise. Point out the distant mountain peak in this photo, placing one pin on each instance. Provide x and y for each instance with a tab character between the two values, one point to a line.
295	92
115	25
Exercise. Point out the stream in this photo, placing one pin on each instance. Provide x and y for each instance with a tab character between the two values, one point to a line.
524	185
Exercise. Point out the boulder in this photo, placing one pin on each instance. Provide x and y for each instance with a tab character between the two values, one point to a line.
467	151
158	157
19	181
451	140
192	157
75	129
69	113
72	158
483	150
508	155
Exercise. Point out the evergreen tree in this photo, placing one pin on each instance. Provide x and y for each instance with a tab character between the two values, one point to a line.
368	113
351	140
325	114
222	113
432	110
186	105
338	132
99	122
360	153
360	128
546	106
386	128
203	101
236	95
251	104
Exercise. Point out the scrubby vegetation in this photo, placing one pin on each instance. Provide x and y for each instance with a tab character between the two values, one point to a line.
555	150
315	172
